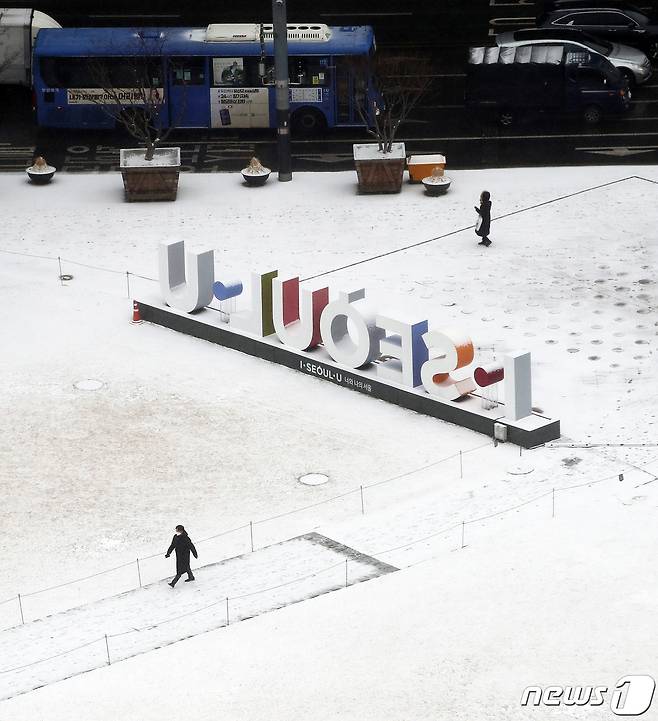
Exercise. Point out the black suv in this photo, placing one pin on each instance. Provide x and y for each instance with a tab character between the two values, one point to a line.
619	22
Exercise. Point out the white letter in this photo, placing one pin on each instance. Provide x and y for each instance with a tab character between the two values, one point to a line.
406	346
185	291
518	385
298	329
258	318
336	336
448	351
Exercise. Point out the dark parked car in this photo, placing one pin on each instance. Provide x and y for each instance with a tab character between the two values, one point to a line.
509	82
632	63
621	23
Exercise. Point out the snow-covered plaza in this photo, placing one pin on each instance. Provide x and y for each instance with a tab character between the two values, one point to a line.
113	433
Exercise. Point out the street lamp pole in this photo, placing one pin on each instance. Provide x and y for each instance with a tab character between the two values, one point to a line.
279	22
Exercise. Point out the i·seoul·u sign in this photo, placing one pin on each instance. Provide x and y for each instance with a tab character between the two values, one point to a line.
342	338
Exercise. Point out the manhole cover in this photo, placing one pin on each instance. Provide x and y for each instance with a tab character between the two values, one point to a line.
520	469
313	479
88	385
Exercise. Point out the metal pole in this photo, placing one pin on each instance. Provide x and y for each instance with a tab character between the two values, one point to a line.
362	506
61	280
128	281
463	525
461	466
227	619
251	535
20	606
107	648
139	574
280	28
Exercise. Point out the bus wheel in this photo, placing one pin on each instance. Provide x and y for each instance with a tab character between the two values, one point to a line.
592	115
308	120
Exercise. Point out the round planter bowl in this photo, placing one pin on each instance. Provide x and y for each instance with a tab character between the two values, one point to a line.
40	178
254	181
434	188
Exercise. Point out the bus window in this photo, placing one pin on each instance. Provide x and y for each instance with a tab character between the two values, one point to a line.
309	71
188	71
101	72
228	71
241	72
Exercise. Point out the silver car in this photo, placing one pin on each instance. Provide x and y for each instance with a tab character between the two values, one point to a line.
633	63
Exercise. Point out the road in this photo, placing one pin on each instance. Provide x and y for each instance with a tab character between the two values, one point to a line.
441	30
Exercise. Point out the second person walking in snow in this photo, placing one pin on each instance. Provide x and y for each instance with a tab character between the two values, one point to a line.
483	225
182	545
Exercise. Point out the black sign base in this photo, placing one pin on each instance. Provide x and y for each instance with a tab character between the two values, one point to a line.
528	432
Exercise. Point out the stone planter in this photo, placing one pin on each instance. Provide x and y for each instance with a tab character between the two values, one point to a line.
379	172
436	185
255	180
40	177
40	173
146	180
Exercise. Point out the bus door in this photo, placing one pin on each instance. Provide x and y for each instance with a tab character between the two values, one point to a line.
189	96
346	109
348	78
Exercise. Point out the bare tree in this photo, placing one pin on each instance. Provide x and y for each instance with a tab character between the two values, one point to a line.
130	89
396	83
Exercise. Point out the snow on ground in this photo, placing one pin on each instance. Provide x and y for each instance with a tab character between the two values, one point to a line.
183	431
529	601
140	620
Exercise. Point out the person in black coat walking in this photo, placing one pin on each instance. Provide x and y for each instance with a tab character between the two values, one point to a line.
182	544
483	226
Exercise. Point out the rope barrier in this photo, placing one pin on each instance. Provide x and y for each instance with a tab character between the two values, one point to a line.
507	510
50	658
587	483
78	263
287	583
143	277
224	533
93	267
29	255
203	540
417	470
312	505
77	580
168	620
224	599
420	540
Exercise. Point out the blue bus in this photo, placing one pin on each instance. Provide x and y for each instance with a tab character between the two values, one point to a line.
219	77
